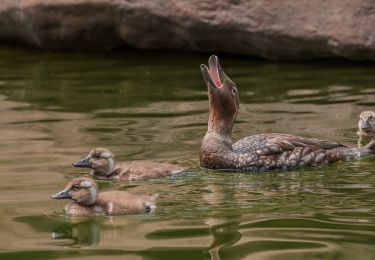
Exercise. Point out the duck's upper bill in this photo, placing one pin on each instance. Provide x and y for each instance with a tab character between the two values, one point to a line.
84	163
62	195
213	74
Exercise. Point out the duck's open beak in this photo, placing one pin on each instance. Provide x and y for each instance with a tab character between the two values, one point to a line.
62	195
213	75
84	162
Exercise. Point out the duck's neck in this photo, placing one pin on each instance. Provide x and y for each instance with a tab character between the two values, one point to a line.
216	150
106	172
220	127
89	200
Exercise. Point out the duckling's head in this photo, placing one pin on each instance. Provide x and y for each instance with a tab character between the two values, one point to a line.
82	191
223	97
366	123
101	160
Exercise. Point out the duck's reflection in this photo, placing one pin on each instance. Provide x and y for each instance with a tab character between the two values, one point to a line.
224	230
82	234
224	235
67	231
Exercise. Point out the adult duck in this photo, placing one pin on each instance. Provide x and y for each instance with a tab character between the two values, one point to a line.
262	152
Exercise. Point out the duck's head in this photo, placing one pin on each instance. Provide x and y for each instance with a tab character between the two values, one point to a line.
223	97
82	190
366	122
101	160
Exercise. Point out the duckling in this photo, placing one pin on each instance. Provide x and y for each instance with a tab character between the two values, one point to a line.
366	127
103	165
87	201
261	152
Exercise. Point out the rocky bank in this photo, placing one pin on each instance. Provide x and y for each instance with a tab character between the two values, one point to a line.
284	29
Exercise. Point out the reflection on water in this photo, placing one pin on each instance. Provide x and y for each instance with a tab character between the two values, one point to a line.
83	234
232	237
72	233
56	107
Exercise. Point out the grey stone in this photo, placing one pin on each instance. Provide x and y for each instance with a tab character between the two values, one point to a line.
287	29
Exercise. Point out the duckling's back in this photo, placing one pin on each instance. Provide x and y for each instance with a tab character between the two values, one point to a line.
122	202
145	170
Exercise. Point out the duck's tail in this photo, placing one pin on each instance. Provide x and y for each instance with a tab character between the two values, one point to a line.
150	203
154	196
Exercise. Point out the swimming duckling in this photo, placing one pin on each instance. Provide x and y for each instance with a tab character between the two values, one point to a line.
87	201
366	127
103	165
262	152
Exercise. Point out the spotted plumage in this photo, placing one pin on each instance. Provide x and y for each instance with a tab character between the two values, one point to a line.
263	152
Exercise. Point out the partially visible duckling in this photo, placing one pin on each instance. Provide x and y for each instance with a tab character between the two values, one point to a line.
103	165
87	201
366	127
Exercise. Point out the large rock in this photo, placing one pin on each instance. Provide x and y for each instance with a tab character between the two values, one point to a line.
285	29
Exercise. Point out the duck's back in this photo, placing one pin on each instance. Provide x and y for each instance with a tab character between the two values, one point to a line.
277	142
122	202
144	170
282	151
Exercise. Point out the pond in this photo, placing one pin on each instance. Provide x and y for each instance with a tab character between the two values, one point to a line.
55	107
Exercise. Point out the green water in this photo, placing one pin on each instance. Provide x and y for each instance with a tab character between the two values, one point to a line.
55	107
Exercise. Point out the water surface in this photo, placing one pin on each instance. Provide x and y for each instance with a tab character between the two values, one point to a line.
55	107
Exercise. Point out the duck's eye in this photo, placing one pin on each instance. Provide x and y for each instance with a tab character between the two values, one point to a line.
75	188
96	156
234	91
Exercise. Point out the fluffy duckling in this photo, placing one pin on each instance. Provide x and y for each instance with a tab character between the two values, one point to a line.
366	126
103	165
87	201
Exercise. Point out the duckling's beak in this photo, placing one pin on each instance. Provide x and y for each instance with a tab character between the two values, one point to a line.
62	195
366	125
84	162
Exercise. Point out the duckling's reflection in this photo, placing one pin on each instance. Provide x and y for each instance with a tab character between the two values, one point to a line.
82	234
73	232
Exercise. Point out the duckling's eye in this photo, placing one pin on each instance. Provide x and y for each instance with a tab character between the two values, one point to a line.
96	156
75	188
234	91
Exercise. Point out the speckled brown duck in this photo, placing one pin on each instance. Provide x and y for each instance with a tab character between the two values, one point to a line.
103	164
262	152
366	127
87	201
